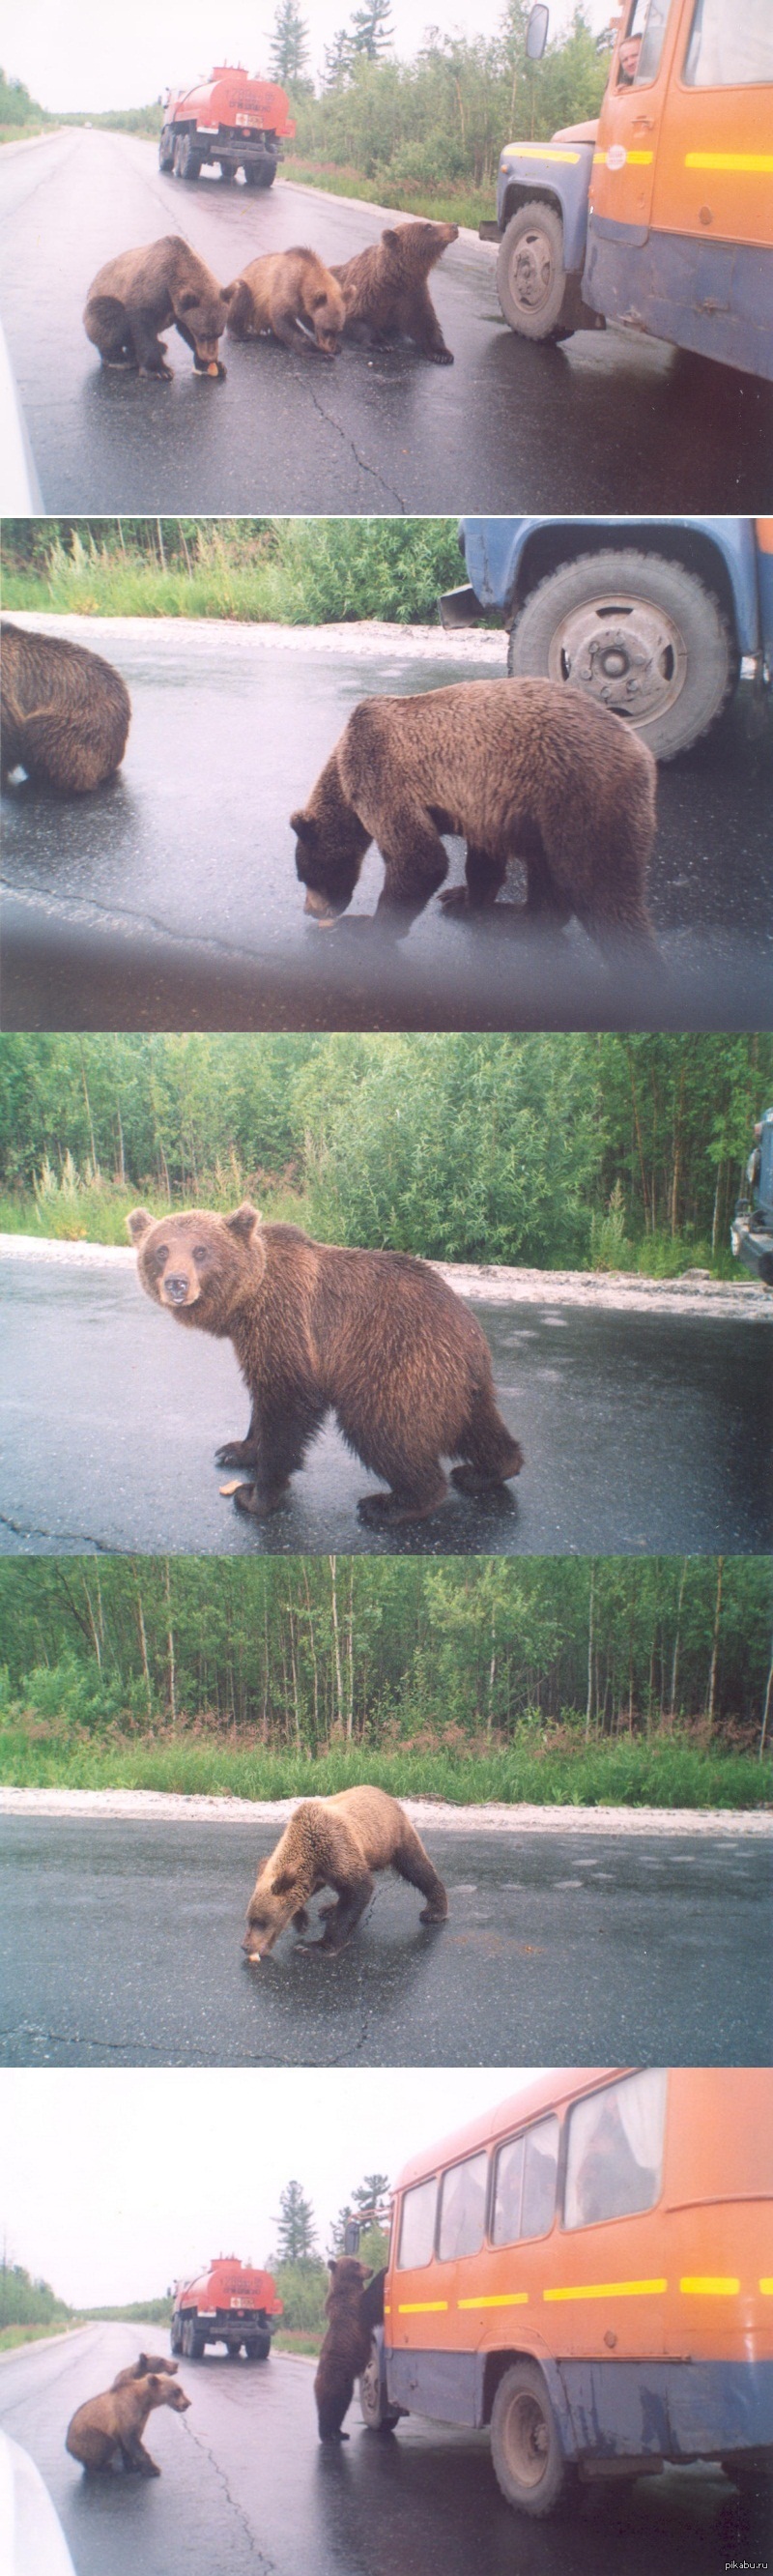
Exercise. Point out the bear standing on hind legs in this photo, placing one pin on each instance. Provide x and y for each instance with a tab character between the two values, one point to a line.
375	1337
346	2348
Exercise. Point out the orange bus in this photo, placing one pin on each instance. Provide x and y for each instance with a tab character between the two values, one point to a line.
660	215
589	2271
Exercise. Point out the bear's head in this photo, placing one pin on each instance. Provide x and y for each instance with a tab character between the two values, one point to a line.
330	847
202	1266
347	2277
414	248
326	311
274	1901
202	312
164	2391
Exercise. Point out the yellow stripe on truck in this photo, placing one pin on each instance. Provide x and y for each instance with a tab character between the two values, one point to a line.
423	2308
610	2290
537	152
708	2287
499	2299
754	161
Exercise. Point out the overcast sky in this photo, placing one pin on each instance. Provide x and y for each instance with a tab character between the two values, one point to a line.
112	2183
83	56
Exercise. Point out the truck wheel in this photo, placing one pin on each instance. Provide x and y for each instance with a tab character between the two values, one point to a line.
227	173
528	2460
531	277
259	2347
644	637
187	162
174	2335
166	148
379	2417
234	2351
262	175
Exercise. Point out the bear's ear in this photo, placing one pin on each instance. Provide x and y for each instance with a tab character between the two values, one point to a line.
331	2263
143	2366
391	238
187	301
228	292
139	1224
281	1886
244	1220
153	2380
304	825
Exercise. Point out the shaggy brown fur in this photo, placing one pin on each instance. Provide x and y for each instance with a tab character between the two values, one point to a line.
280	292
345	2349
147	2364
386	292
65	713
337	1842
116	2421
143	292
524	769
377	1336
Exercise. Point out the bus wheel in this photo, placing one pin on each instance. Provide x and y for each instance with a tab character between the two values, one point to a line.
531	277
641	635
379	2417
528	2460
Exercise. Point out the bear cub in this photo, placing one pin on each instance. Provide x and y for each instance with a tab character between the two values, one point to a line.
114	2423
336	1842
142	292
281	292
65	713
346	2348
376	1337
521	769
386	292
146	2365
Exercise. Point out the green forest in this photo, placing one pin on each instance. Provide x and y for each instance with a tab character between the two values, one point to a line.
556	1151
288	572
557	1679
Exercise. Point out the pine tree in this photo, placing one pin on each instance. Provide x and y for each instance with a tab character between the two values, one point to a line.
371	35
296	2231
289	48
338	60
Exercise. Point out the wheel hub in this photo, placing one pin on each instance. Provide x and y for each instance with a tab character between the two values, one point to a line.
533	270
626	653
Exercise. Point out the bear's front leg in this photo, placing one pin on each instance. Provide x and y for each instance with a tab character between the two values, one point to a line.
237	1453
149	351
344	1911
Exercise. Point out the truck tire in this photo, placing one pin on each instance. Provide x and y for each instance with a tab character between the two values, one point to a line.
258	2347
528	2461
532	282
228	172
263	175
234	2351
379	2417
187	161
192	2342
175	2341
166	148
643	636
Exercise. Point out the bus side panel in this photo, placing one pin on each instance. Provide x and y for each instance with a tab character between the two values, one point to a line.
448	2386
714	297
669	2410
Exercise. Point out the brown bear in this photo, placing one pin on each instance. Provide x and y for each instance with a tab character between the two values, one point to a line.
116	2421
65	713
523	769
346	2348
337	1842
282	291
142	292
376	1336
386	292
146	2365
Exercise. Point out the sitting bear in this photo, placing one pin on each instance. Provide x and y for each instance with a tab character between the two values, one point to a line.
523	769
386	292
336	1842
115	2422
377	1336
65	712
146	2366
142	292
346	2348
281	291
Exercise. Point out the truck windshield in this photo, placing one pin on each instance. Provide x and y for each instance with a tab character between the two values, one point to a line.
729	46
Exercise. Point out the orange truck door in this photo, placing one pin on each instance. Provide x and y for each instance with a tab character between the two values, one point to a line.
714	171
632	110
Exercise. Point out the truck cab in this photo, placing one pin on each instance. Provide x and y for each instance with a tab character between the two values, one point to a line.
658	619
751	1232
660	215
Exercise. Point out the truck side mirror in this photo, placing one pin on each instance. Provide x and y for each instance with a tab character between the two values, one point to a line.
537	32
352	2236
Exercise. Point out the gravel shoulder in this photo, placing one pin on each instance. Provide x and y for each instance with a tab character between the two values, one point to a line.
238	640
151	1805
695	1293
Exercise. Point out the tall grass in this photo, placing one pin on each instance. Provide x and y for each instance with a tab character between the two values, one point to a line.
671	1771
292	572
462	205
79	1204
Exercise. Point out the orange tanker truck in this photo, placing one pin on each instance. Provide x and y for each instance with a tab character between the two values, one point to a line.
230	120
228	2303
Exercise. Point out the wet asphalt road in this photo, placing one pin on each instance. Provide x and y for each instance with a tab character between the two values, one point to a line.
640	1432
246	2489
603	422
170	899
120	1946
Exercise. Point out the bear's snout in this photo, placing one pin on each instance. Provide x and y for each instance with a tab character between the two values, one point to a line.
177	1289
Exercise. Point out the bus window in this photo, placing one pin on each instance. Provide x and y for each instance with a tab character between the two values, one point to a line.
615	2150
729	47
463	2209
417	2226
525	2187
638	59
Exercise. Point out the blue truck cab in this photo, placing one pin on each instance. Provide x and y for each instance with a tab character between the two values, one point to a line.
658	619
751	1232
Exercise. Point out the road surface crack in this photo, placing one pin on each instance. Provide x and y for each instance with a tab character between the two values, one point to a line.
362	461
85	1538
259	2556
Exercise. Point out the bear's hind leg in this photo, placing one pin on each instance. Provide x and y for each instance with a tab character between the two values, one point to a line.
489	1453
413	1864
484	872
415	1493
